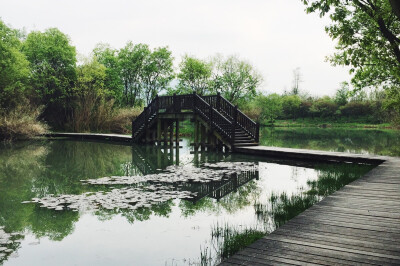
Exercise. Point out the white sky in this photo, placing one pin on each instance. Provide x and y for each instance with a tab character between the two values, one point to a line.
276	36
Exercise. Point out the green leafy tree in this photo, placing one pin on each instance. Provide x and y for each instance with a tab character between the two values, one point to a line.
368	39
324	107
91	78
14	69
194	75
291	105
272	107
52	60
157	72
234	78
109	58
342	94
132	59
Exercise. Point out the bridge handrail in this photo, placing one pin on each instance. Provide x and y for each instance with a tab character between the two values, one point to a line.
217	110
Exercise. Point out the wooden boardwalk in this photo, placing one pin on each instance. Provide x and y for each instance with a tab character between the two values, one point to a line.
94	136
357	225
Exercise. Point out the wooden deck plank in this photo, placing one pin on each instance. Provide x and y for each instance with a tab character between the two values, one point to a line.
358	224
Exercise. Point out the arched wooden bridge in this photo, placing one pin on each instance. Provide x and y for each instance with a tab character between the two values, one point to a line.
218	123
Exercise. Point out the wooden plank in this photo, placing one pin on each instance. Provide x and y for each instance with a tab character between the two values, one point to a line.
324	245
294	255
342	230
356	244
343	209
359	224
264	244
369	241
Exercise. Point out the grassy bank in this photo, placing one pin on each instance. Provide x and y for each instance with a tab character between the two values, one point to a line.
318	122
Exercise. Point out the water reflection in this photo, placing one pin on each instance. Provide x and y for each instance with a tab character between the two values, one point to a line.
246	203
366	141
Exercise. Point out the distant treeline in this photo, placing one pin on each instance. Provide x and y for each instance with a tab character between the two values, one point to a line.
344	106
42	80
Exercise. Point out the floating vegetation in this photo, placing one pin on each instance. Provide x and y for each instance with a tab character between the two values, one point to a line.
175	174
152	189
124	198
8	241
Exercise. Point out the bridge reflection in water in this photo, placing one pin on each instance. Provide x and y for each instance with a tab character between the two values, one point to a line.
148	159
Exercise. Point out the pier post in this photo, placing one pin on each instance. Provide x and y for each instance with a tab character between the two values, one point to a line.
177	132
158	131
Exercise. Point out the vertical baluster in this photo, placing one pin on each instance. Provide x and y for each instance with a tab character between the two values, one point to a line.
234	125
194	102
218	103
258	132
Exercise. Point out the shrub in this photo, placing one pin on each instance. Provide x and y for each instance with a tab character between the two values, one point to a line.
121	119
356	109
21	123
93	113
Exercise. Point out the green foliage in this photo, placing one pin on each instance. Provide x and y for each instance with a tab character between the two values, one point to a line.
91	78
14	69
324	107
234	78
342	94
53	74
109	58
157	72
368	41
194	76
272	107
132	60
234	239
291	105
144	72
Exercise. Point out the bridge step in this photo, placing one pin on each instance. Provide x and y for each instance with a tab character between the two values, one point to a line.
247	144
195	104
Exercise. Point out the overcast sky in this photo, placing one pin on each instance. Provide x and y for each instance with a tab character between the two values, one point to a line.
276	36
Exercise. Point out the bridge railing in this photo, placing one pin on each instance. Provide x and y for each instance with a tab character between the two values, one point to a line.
215	109
212	116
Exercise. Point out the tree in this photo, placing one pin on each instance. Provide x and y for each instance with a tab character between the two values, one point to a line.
272	107
109	58
324	107
194	75
132	59
52	60
157	72
88	105
234	78
342	94
291	105
297	78
368	39
91	78
14	69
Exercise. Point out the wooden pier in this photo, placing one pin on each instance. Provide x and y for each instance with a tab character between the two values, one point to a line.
91	136
357	225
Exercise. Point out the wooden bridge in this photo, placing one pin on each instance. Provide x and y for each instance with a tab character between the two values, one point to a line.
218	123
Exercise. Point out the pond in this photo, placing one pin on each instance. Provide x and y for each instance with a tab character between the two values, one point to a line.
66	202
353	140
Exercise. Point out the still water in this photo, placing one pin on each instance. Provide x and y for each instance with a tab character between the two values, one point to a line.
256	198
365	141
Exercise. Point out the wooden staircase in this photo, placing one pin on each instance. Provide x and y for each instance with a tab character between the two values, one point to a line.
224	119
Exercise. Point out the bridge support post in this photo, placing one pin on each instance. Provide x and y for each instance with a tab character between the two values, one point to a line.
165	129
171	133
177	133
177	154
203	137
158	131
196	135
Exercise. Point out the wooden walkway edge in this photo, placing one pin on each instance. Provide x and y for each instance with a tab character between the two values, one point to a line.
357	225
92	136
